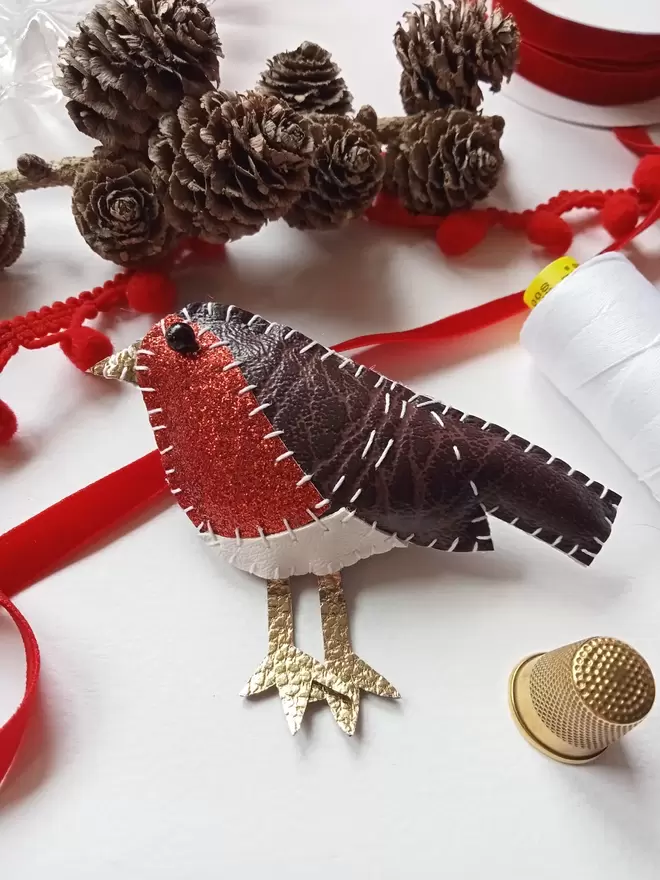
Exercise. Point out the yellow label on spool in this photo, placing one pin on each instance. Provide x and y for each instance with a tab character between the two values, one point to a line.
547	279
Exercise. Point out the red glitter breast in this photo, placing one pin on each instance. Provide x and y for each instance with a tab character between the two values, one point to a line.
220	462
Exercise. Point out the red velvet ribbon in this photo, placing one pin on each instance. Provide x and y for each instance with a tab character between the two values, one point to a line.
43	543
585	63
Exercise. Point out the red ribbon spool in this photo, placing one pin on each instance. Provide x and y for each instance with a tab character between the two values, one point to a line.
585	63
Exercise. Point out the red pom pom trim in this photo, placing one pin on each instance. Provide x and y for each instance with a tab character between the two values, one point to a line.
460	232
647	177
150	292
549	231
620	214
85	346
8	423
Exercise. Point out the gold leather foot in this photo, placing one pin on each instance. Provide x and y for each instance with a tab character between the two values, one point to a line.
286	668
342	662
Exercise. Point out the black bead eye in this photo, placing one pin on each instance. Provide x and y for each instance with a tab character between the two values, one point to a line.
181	338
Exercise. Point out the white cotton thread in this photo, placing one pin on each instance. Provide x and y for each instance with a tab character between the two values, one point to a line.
258	409
596	336
262	535
384	453
368	444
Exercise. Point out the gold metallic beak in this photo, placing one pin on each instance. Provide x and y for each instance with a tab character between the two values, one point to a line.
120	365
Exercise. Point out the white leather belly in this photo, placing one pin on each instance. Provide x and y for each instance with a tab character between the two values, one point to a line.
322	547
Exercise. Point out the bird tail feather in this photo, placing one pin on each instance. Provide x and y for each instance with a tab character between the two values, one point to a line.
524	485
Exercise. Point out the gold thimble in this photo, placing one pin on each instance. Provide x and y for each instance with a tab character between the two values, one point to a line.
572	703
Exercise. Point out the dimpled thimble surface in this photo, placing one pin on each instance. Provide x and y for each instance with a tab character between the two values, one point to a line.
572	703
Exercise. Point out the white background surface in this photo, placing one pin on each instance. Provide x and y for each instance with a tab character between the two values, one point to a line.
143	762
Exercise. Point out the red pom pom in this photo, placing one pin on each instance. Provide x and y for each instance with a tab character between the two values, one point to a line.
151	292
460	232
647	177
620	214
550	231
85	347
8	423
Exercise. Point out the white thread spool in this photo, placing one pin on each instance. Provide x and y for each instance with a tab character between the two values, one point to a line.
596	336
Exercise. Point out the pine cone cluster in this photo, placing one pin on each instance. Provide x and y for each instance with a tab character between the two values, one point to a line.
117	211
134	60
445	160
226	164
12	228
345	176
446	49
308	79
179	158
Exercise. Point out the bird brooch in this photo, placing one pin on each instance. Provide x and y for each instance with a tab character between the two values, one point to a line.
290	459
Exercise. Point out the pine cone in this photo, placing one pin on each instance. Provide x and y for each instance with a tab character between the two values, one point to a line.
12	228
446	49
134	60
345	177
226	164
118	212
445	160
308	80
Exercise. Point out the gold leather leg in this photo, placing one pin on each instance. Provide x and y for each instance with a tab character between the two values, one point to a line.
291	671
341	660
